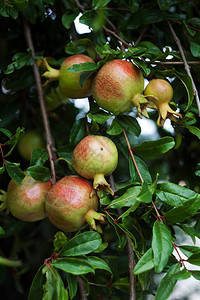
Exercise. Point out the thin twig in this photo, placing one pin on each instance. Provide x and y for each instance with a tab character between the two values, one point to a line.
172	62
141	35
187	68
132	156
131	266
81	288
47	129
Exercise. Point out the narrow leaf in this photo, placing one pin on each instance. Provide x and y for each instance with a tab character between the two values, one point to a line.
14	172
36	289
145	263
87	66
81	244
39	173
76	266
162	245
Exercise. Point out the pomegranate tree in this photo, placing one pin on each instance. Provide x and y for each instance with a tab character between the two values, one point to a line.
69	81
160	92
27	201
95	157
70	204
118	86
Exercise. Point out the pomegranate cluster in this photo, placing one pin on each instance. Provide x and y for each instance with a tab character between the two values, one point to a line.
117	87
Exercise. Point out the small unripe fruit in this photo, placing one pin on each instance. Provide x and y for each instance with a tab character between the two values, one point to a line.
160	92
27	201
69	82
116	86
95	157
30	140
71	204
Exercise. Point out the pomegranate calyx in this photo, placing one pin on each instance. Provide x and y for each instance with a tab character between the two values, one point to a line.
140	102
51	73
90	218
165	112
100	183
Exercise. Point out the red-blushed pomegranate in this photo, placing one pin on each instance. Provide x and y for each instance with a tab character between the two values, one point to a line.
118	86
71	204
95	157
27	201
160	92
69	81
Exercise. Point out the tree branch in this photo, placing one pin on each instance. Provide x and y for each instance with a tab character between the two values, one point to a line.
187	68
81	288
131	266
49	139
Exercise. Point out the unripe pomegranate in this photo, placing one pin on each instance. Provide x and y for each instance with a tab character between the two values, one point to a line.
118	86
27	201
31	140
160	92
95	157
69	81
70	204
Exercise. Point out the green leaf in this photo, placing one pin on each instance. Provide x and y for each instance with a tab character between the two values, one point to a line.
72	284
59	241
142	168
81	244
84	76
72	265
114	128
164	4
188	209
14	140
195	274
194	130
99	3
129	124
197	173
173	194
68	18
162	245
144	195
14	172
9	263
189	250
98	263
39	173
38	157
36	289
87	66
194	259
2	169
6	132
186	80
145	263
195	49
77	132
129	198
167	283
1	231
154	149
180	275
100	117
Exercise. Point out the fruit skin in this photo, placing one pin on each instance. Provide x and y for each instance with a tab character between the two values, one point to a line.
69	81
27	201
160	92
30	140
95	157
70	206
116	84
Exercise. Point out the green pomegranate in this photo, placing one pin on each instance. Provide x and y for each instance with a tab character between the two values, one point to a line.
71	204
118	86
69	81
31	140
27	201
160	92
95	157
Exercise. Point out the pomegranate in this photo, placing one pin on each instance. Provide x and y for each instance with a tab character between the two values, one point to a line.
160	92
31	140
95	157
69	81
27	201
70	206
118	86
